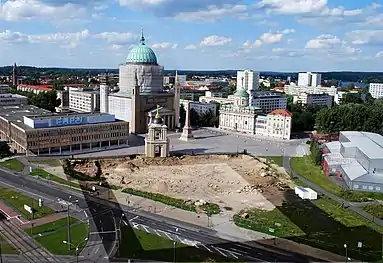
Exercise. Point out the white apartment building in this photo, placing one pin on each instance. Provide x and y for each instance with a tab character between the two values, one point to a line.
309	79
248	80
376	90
296	90
313	99
12	100
84	101
200	107
211	96
268	101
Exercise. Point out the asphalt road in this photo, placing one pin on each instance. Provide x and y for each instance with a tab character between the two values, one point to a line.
104	217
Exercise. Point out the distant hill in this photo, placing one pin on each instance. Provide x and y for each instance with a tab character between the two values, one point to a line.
346	76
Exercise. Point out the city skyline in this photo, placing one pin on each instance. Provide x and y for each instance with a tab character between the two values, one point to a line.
266	35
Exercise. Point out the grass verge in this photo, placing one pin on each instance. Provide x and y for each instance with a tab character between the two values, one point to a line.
153	247
209	209
374	210
278	160
307	169
13	164
44	174
17	201
7	248
53	234
321	224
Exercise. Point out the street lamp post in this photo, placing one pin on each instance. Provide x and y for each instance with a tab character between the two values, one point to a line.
174	246
119	233
77	247
345	248
68	219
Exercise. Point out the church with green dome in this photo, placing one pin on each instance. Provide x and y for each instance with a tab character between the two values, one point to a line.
141	92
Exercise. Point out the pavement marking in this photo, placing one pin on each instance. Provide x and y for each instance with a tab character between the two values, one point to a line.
219	251
134	218
167	234
145	228
8	217
86	215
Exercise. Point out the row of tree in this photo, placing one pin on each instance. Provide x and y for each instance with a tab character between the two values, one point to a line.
206	119
46	100
352	117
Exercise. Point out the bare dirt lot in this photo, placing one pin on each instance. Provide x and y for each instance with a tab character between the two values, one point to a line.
234	183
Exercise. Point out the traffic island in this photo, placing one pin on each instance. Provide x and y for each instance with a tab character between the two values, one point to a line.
153	247
54	236
28	207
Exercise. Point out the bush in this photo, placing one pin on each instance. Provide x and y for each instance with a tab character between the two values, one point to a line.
210	209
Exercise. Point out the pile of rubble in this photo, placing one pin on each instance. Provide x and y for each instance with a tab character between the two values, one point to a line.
250	188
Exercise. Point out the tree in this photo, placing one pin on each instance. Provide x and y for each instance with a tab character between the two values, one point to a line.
5	150
351	97
182	115
315	152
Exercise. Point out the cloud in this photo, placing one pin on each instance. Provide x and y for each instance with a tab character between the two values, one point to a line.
191	47
172	8
379	54
272	38
292	7
117	38
213	13
64	39
54	11
322	42
164	45
215	40
364	37
256	44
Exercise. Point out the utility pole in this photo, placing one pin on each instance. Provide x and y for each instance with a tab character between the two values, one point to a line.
68	223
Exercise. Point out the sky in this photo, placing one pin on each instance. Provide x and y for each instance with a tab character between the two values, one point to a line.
262	35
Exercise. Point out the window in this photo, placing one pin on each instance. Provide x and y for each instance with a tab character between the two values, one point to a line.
245	122
364	186
370	188
377	188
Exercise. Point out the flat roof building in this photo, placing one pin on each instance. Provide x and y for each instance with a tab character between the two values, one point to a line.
358	158
32	130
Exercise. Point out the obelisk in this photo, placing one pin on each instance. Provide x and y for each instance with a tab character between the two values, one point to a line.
187	134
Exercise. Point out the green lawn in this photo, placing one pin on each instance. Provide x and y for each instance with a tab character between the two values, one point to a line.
322	224
17	201
50	162
278	160
44	174
307	169
13	164
154	247
7	248
374	210
54	233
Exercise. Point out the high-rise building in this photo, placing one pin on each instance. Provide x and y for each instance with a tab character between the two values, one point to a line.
376	90
248	80
309	79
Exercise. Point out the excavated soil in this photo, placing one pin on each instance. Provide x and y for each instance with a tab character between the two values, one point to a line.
233	182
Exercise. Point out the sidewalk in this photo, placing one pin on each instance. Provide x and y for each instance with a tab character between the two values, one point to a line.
44	220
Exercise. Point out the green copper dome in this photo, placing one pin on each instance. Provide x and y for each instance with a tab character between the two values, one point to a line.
241	92
142	54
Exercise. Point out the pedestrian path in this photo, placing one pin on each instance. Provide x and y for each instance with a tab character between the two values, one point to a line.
341	201
44	220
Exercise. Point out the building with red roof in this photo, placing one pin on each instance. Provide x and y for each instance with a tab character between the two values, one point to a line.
35	88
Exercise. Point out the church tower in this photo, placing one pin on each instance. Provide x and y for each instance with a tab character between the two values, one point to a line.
177	97
135	120
157	142
241	97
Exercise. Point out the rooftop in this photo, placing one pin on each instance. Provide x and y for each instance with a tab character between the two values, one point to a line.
282	112
15	114
37	87
371	144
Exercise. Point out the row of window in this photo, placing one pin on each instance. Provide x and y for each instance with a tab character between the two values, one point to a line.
370	187
56	132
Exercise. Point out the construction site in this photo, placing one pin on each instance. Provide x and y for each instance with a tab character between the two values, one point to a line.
234	182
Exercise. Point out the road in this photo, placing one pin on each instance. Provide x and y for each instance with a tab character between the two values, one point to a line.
104	216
